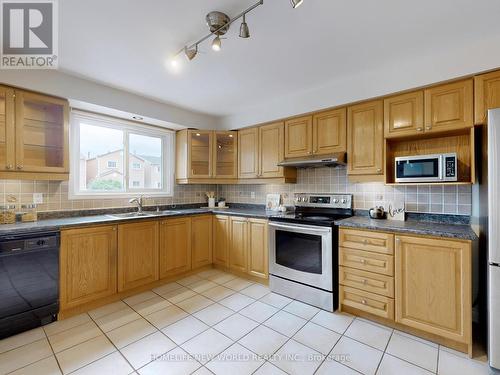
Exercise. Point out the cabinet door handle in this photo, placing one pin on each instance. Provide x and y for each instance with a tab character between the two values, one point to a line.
9	166
379	170
363	301
365	281
19	167
365	242
419	129
363	261
428	127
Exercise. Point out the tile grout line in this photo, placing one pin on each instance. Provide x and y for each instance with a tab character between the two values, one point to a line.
53	352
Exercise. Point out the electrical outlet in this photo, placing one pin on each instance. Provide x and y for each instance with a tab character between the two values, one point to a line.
37	198
379	197
252	195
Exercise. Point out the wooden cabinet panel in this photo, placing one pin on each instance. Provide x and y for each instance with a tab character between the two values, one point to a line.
238	246
365	138
175	246
329	132
404	114
248	153
137	254
271	149
298	137
486	95
41	133
200	154
449	107
433	286
368	281
87	265
367	261
367	240
221	240
366	301
258	254
7	129
201	241
225	154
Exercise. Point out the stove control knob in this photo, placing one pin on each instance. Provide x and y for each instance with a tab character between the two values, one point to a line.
344	201
335	200
304	199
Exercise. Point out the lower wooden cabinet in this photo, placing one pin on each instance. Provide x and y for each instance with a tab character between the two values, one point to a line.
433	286
221	239
87	265
201	241
238	246
137	254
175	246
258	254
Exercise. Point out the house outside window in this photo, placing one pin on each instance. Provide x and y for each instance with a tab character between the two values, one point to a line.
111	164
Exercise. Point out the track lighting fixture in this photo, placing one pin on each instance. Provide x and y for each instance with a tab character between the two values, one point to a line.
244	31
191	52
296	3
216	44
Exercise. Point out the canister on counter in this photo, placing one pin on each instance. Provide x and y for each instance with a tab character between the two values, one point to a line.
28	212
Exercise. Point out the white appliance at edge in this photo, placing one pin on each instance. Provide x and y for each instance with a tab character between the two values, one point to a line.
494	238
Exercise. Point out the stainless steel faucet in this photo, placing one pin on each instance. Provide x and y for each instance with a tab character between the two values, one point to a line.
139	201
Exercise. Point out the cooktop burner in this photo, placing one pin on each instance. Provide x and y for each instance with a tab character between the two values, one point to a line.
315	218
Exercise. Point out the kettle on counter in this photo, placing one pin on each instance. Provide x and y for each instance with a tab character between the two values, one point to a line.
377	212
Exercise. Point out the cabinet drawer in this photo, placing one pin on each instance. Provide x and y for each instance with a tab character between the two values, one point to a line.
366	301
367	261
368	281
366	240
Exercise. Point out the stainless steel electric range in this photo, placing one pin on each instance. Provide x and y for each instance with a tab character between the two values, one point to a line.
303	249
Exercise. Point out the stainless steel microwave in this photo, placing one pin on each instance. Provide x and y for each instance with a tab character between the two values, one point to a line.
427	168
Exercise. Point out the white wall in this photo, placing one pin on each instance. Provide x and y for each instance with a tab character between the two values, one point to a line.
80	90
465	58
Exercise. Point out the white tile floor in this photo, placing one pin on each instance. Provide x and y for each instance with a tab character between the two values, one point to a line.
214	322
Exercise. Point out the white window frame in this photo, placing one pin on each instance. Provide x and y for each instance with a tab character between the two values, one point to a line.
136	168
168	156
111	161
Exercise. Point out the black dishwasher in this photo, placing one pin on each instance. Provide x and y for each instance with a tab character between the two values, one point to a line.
29	281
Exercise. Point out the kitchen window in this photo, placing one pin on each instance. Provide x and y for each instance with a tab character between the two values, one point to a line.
113	158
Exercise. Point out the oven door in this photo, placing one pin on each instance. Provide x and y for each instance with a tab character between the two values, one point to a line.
302	253
419	169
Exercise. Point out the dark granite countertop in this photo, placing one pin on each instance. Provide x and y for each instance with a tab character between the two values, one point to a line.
459	231
53	224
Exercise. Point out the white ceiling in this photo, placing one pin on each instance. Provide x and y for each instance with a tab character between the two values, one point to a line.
315	56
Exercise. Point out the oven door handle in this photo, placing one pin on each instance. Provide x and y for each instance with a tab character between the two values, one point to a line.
309	228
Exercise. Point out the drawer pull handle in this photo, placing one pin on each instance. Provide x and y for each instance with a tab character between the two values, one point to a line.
363	301
363	261
365	281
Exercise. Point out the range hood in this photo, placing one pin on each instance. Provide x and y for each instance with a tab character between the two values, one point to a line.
331	160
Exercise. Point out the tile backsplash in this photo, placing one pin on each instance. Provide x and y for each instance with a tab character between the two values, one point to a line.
453	199
427	198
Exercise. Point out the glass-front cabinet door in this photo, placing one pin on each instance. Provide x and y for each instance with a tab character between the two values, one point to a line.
41	133
225	155
200	144
7	130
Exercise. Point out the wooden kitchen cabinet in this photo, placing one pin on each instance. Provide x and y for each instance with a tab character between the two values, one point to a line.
238	245
329	132
175	246
298	137
271	150
225	154
248	153
258	254
137	254
404	115
486	95
7	129
201	241
221	240
449	106
365	138
433	286
88	265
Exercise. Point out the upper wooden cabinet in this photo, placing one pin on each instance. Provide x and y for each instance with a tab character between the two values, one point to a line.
204	155
329	132
201	241
271	149
221	239
175	246
404	115
298	137
449	106
486	95
365	138
7	129
88	265
137	254
248	153
258	253
433	286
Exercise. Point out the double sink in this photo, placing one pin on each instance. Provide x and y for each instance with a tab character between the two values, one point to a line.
127	215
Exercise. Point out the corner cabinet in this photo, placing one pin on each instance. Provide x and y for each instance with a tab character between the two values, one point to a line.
88	264
34	136
137	254
486	95
365	139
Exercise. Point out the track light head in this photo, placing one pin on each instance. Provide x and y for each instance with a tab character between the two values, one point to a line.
216	44
296	3
244	31
191	53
